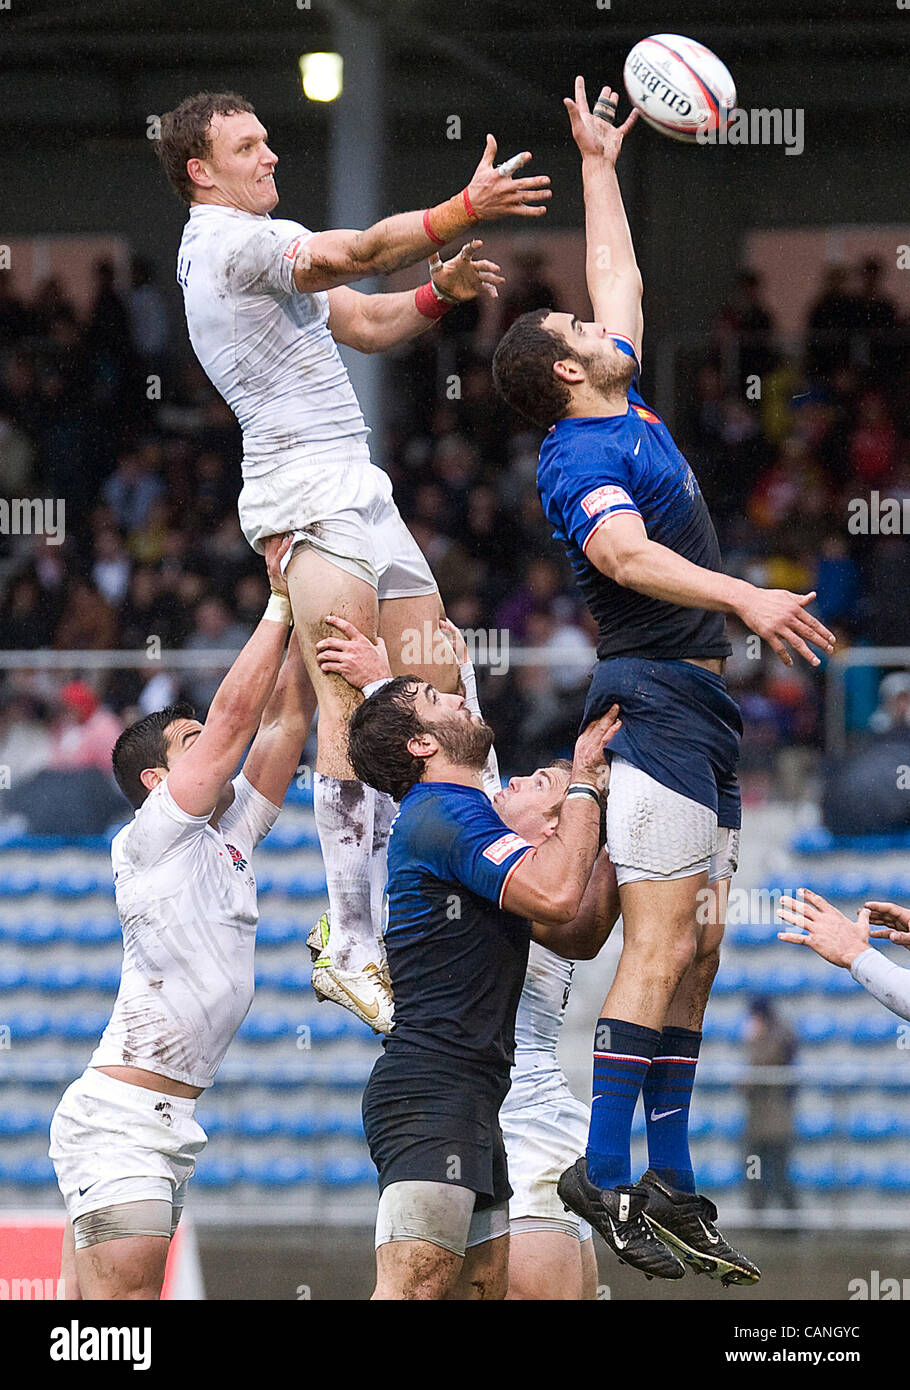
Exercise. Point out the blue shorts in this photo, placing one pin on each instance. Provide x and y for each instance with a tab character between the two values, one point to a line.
679	725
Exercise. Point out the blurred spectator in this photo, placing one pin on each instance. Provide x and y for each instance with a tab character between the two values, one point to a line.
25	741
873	441
84	733
864	791
148	323
893	712
111	566
744	331
877	317
770	1042
132	490
834	320
26	623
214	631
527	288
88	623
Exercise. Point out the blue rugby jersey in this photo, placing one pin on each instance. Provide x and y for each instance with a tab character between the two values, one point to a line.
457	960
593	468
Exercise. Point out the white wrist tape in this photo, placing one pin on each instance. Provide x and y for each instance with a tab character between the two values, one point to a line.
278	609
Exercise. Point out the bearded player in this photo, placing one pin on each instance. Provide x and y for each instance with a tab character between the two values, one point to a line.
267	301
544	1127
628	510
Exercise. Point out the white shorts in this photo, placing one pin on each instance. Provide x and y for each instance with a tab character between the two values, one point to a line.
655	833
545	1129
112	1142
341	504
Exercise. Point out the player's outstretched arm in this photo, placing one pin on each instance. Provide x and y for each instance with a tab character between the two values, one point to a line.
549	883
842	942
198	779
283	729
374	322
622	550
339	257
614	280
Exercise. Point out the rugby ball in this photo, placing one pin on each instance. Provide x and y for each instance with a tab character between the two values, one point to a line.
679	87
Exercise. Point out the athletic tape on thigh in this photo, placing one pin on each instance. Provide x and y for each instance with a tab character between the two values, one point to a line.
438	1212
152	1217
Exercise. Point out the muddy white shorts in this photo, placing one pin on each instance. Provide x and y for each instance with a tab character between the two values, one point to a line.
112	1142
655	833
545	1129
341	504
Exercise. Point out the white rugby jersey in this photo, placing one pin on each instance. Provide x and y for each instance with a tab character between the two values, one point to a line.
186	896
541	1010
264	346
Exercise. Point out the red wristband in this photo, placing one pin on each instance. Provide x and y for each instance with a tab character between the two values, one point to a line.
468	207
428	304
429	230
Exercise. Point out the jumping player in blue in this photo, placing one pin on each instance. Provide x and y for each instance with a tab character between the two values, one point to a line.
626	506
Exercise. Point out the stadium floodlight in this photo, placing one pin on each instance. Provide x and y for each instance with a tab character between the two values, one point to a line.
322	75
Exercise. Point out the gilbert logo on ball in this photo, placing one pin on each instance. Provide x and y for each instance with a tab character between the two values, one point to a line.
679	87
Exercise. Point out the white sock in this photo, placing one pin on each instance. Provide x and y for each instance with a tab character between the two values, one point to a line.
344	820
384	812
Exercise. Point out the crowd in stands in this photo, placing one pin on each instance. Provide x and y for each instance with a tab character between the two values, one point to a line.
109	410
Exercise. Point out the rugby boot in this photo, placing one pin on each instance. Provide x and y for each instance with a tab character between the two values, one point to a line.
366	993
685	1221
617	1214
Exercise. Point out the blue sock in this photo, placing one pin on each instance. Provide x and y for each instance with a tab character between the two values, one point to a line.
622	1056
667	1094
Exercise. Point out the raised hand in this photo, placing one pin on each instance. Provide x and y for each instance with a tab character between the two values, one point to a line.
497	195
828	932
588	763
595	134
892	921
462	278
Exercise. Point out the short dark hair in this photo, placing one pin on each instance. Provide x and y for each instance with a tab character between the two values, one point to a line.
378	737
523	370
186	134
143	745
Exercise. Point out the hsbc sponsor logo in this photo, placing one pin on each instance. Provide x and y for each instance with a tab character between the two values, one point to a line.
604	499
290	252
500	849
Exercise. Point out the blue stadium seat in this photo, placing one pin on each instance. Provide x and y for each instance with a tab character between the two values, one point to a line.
30	1024
217	1172
267	1026
822	1176
290	837
720	1173
874	1029
872	1124
347	1172
816	1124
816	1028
723	1029
286	1171
81	1027
816	840
16	1122
18	884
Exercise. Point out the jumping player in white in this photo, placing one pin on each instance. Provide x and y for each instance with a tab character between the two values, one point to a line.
123	1138
266	302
